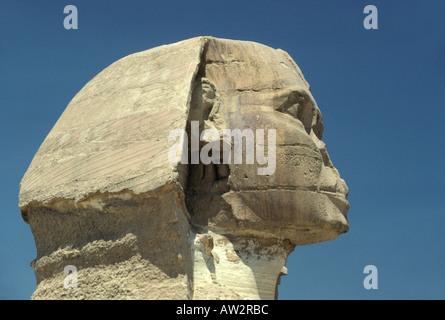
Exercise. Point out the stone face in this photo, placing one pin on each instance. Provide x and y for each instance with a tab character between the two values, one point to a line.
102	195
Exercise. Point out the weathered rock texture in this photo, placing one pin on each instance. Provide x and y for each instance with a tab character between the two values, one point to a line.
101	194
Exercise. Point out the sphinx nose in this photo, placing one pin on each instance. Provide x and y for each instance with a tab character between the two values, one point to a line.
342	187
330	181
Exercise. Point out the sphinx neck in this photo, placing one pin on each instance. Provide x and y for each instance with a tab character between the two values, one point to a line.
228	267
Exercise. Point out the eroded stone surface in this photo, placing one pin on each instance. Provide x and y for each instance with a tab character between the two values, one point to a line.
102	195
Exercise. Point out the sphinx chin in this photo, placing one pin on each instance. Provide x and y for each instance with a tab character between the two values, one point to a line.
300	216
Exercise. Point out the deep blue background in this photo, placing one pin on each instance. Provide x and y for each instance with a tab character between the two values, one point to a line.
381	93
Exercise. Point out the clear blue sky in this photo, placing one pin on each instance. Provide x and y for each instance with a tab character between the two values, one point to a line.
381	93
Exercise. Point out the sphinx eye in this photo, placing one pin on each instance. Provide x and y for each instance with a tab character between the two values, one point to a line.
295	109
301	107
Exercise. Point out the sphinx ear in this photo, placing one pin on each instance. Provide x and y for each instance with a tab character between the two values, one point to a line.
206	145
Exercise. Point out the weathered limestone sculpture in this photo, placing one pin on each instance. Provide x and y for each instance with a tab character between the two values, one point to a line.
102	195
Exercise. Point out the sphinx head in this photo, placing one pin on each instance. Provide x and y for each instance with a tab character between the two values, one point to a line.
251	173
